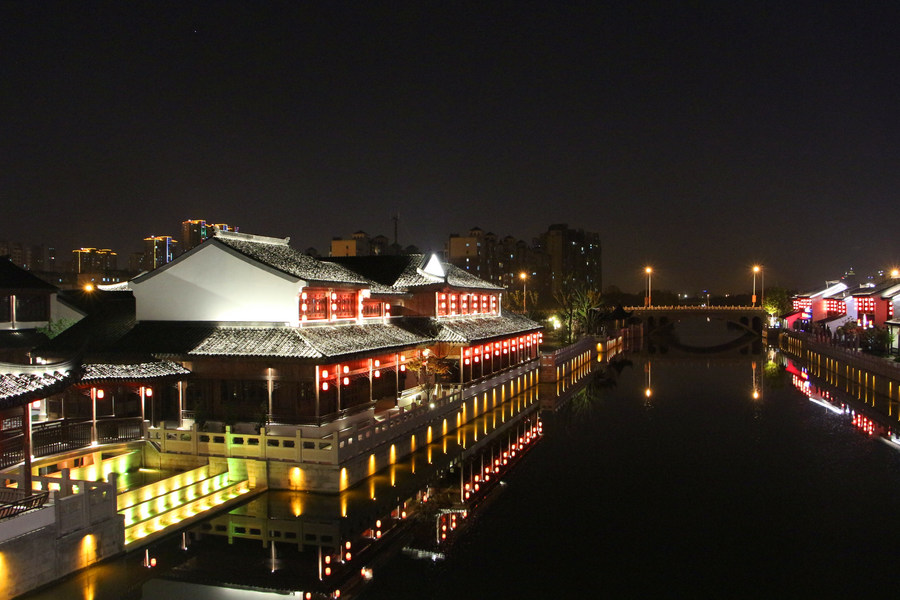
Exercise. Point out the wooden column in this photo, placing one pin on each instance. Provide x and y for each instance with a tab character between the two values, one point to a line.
26	446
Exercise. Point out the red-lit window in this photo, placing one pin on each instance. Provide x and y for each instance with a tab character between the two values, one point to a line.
314	304
835	306
343	305
373	308
443	305
803	304
865	305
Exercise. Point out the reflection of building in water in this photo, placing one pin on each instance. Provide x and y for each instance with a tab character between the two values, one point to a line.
319	543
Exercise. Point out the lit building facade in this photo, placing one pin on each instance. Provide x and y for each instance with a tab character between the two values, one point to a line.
93	260
246	329
196	231
158	250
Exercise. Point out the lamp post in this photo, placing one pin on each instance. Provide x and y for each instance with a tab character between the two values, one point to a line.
755	271
649	272
524	277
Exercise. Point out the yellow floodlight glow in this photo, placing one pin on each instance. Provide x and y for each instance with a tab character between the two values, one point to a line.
88	550
296	478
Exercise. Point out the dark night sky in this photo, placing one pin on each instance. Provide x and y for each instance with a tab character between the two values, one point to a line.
698	138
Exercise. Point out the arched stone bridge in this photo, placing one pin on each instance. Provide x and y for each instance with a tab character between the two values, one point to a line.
751	318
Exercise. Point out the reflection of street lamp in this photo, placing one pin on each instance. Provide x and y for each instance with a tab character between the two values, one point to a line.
524	277
649	272
648	390
756	385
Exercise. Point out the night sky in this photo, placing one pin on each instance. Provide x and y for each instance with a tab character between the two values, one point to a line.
699	138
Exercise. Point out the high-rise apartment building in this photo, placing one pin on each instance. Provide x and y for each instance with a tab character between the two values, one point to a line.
93	260
196	231
502	261
158	250
572	253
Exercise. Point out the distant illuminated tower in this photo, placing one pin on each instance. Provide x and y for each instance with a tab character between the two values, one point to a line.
93	260
158	250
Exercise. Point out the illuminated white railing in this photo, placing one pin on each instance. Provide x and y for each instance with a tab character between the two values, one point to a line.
361	433
263	446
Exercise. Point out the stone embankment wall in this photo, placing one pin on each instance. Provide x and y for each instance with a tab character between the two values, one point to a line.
73	531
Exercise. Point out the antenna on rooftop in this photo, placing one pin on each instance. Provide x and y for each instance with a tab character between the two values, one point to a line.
396	219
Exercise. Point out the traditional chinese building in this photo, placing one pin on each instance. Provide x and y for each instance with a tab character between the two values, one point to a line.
246	330
873	303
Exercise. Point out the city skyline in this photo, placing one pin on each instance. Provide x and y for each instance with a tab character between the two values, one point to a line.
700	141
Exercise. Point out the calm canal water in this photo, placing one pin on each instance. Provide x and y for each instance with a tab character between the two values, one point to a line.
699	489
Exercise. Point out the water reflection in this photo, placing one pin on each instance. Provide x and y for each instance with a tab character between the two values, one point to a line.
714	336
719	466
840	403
329	545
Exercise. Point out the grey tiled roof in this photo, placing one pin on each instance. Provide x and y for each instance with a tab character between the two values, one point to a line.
142	370
475	329
255	341
463	279
27	386
350	339
306	342
282	257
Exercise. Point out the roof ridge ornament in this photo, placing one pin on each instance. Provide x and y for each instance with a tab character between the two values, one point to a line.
434	268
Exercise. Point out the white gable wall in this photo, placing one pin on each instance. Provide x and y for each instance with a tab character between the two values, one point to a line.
213	283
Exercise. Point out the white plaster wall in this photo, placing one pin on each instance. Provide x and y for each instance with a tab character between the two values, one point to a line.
212	284
59	310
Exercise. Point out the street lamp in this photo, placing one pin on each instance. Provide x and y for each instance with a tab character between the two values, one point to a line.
649	272
755	271
524	277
